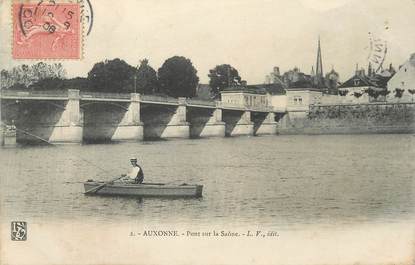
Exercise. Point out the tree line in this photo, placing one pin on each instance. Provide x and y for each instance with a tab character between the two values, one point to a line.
376	93
177	77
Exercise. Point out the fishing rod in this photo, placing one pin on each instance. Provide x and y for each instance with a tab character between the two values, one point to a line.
54	145
84	159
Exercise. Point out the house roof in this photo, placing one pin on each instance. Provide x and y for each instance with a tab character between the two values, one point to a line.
358	81
304	89
381	80
273	89
244	89
301	83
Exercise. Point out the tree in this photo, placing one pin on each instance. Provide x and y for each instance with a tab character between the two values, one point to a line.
42	71
372	92
50	83
343	92
398	92
178	77
112	76
384	92
223	76
22	76
412	92
6	80
146	82
79	83
357	94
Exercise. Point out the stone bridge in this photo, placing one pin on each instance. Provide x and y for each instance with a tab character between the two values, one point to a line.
72	117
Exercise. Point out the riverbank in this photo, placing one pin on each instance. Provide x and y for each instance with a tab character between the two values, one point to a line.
372	118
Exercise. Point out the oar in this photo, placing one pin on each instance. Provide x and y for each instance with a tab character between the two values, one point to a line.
95	189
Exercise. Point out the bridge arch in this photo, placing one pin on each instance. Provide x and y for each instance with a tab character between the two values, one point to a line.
104	103
165	108
17	102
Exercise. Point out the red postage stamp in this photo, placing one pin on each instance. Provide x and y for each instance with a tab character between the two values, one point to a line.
46	30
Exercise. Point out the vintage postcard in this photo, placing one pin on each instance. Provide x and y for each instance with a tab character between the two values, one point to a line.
207	132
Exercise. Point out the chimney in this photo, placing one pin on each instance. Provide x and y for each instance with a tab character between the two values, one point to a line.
369	70
412	59
360	72
276	70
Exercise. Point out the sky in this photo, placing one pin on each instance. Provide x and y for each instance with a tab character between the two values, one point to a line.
251	35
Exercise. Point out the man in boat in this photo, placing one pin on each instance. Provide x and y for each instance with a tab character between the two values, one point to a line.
136	174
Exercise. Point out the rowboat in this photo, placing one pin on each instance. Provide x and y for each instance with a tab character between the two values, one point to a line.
143	189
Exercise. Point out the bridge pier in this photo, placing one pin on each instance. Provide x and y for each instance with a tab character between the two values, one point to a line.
1	126
112	121
238	123
69	127
8	135
207	122
165	121
215	127
264	124
178	127
130	128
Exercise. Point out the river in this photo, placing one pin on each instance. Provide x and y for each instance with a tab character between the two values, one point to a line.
270	181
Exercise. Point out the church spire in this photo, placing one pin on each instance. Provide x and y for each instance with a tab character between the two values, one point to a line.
319	63
319	66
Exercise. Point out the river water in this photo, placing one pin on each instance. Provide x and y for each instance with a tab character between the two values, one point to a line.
271	181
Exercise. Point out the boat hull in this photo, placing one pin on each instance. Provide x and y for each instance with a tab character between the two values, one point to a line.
144	190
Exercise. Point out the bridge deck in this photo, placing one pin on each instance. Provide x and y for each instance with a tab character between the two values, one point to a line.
118	97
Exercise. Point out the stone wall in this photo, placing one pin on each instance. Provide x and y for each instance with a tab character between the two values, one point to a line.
351	119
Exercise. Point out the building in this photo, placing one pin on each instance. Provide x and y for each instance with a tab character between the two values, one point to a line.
403	82
274	77
296	79
382	78
276	94
365	88
244	96
332	82
355	88
300	99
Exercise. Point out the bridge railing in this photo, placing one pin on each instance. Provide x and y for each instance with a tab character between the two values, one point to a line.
260	108
246	107
86	94
126	96
159	99
200	102
34	93
230	105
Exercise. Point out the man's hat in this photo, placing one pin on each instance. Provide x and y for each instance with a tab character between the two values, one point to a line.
133	158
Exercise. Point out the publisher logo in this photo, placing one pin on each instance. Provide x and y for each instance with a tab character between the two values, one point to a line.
19	231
